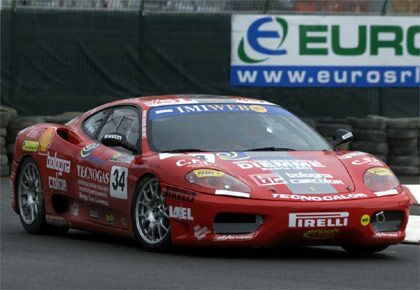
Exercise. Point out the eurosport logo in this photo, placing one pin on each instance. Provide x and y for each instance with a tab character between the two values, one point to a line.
327	51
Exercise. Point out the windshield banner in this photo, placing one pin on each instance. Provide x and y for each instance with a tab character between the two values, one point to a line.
168	111
325	51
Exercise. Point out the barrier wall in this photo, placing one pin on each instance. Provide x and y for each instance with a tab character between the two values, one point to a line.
55	61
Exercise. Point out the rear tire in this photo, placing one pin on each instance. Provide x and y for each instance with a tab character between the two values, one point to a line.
365	249
30	197
31	204
150	216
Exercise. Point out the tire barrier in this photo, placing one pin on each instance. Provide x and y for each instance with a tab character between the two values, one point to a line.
394	140
10	126
403	140
7	115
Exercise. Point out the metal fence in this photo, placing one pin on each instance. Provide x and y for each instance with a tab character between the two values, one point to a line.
371	7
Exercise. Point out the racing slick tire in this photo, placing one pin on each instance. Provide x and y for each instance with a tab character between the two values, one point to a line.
365	249
31	200
150	216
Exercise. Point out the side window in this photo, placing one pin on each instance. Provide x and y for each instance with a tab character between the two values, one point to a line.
91	124
124	121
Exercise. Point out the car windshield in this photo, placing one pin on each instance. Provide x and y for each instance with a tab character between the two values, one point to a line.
229	127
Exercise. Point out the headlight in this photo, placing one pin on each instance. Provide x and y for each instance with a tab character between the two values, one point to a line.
380	179
216	179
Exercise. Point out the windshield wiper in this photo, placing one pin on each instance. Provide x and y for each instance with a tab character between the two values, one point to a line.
271	149
182	150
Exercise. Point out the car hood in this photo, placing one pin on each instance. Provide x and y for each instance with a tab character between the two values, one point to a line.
292	175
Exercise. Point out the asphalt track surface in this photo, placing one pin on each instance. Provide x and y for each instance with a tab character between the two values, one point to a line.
81	260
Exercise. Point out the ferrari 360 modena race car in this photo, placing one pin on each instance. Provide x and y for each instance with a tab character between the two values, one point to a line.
204	171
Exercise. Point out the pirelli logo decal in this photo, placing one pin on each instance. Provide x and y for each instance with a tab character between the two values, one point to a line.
318	219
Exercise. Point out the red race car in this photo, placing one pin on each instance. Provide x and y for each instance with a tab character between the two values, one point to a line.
204	171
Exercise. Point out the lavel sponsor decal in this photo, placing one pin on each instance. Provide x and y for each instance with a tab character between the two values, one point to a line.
241	237
88	149
180	213
331	197
318	219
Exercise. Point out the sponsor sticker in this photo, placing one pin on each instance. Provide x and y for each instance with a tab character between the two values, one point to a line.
94	213
180	213
232	155
56	220
318	219
332	197
93	199
267	179
386	235
143	124
45	141
88	149
279	164
74	209
241	237
201	232
321	234
122	158
351	155
367	161
58	164
181	195
365	220
57	183
201	173
30	146
110	218
381	171
93	174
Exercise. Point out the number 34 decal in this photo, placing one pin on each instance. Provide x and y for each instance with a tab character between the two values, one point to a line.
118	184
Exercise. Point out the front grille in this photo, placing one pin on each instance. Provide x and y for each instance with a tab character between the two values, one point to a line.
237	223
387	221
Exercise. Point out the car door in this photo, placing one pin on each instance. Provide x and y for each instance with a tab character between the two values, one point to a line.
102	171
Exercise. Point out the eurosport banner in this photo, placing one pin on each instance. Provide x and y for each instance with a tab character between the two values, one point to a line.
325	51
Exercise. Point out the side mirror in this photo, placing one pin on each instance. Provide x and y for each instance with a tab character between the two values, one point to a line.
341	136
118	140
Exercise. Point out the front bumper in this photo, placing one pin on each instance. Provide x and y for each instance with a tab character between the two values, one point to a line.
285	222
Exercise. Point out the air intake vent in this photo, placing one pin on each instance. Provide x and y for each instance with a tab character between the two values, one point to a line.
237	223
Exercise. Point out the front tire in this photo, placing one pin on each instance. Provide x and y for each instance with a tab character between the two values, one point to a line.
365	249
150	217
